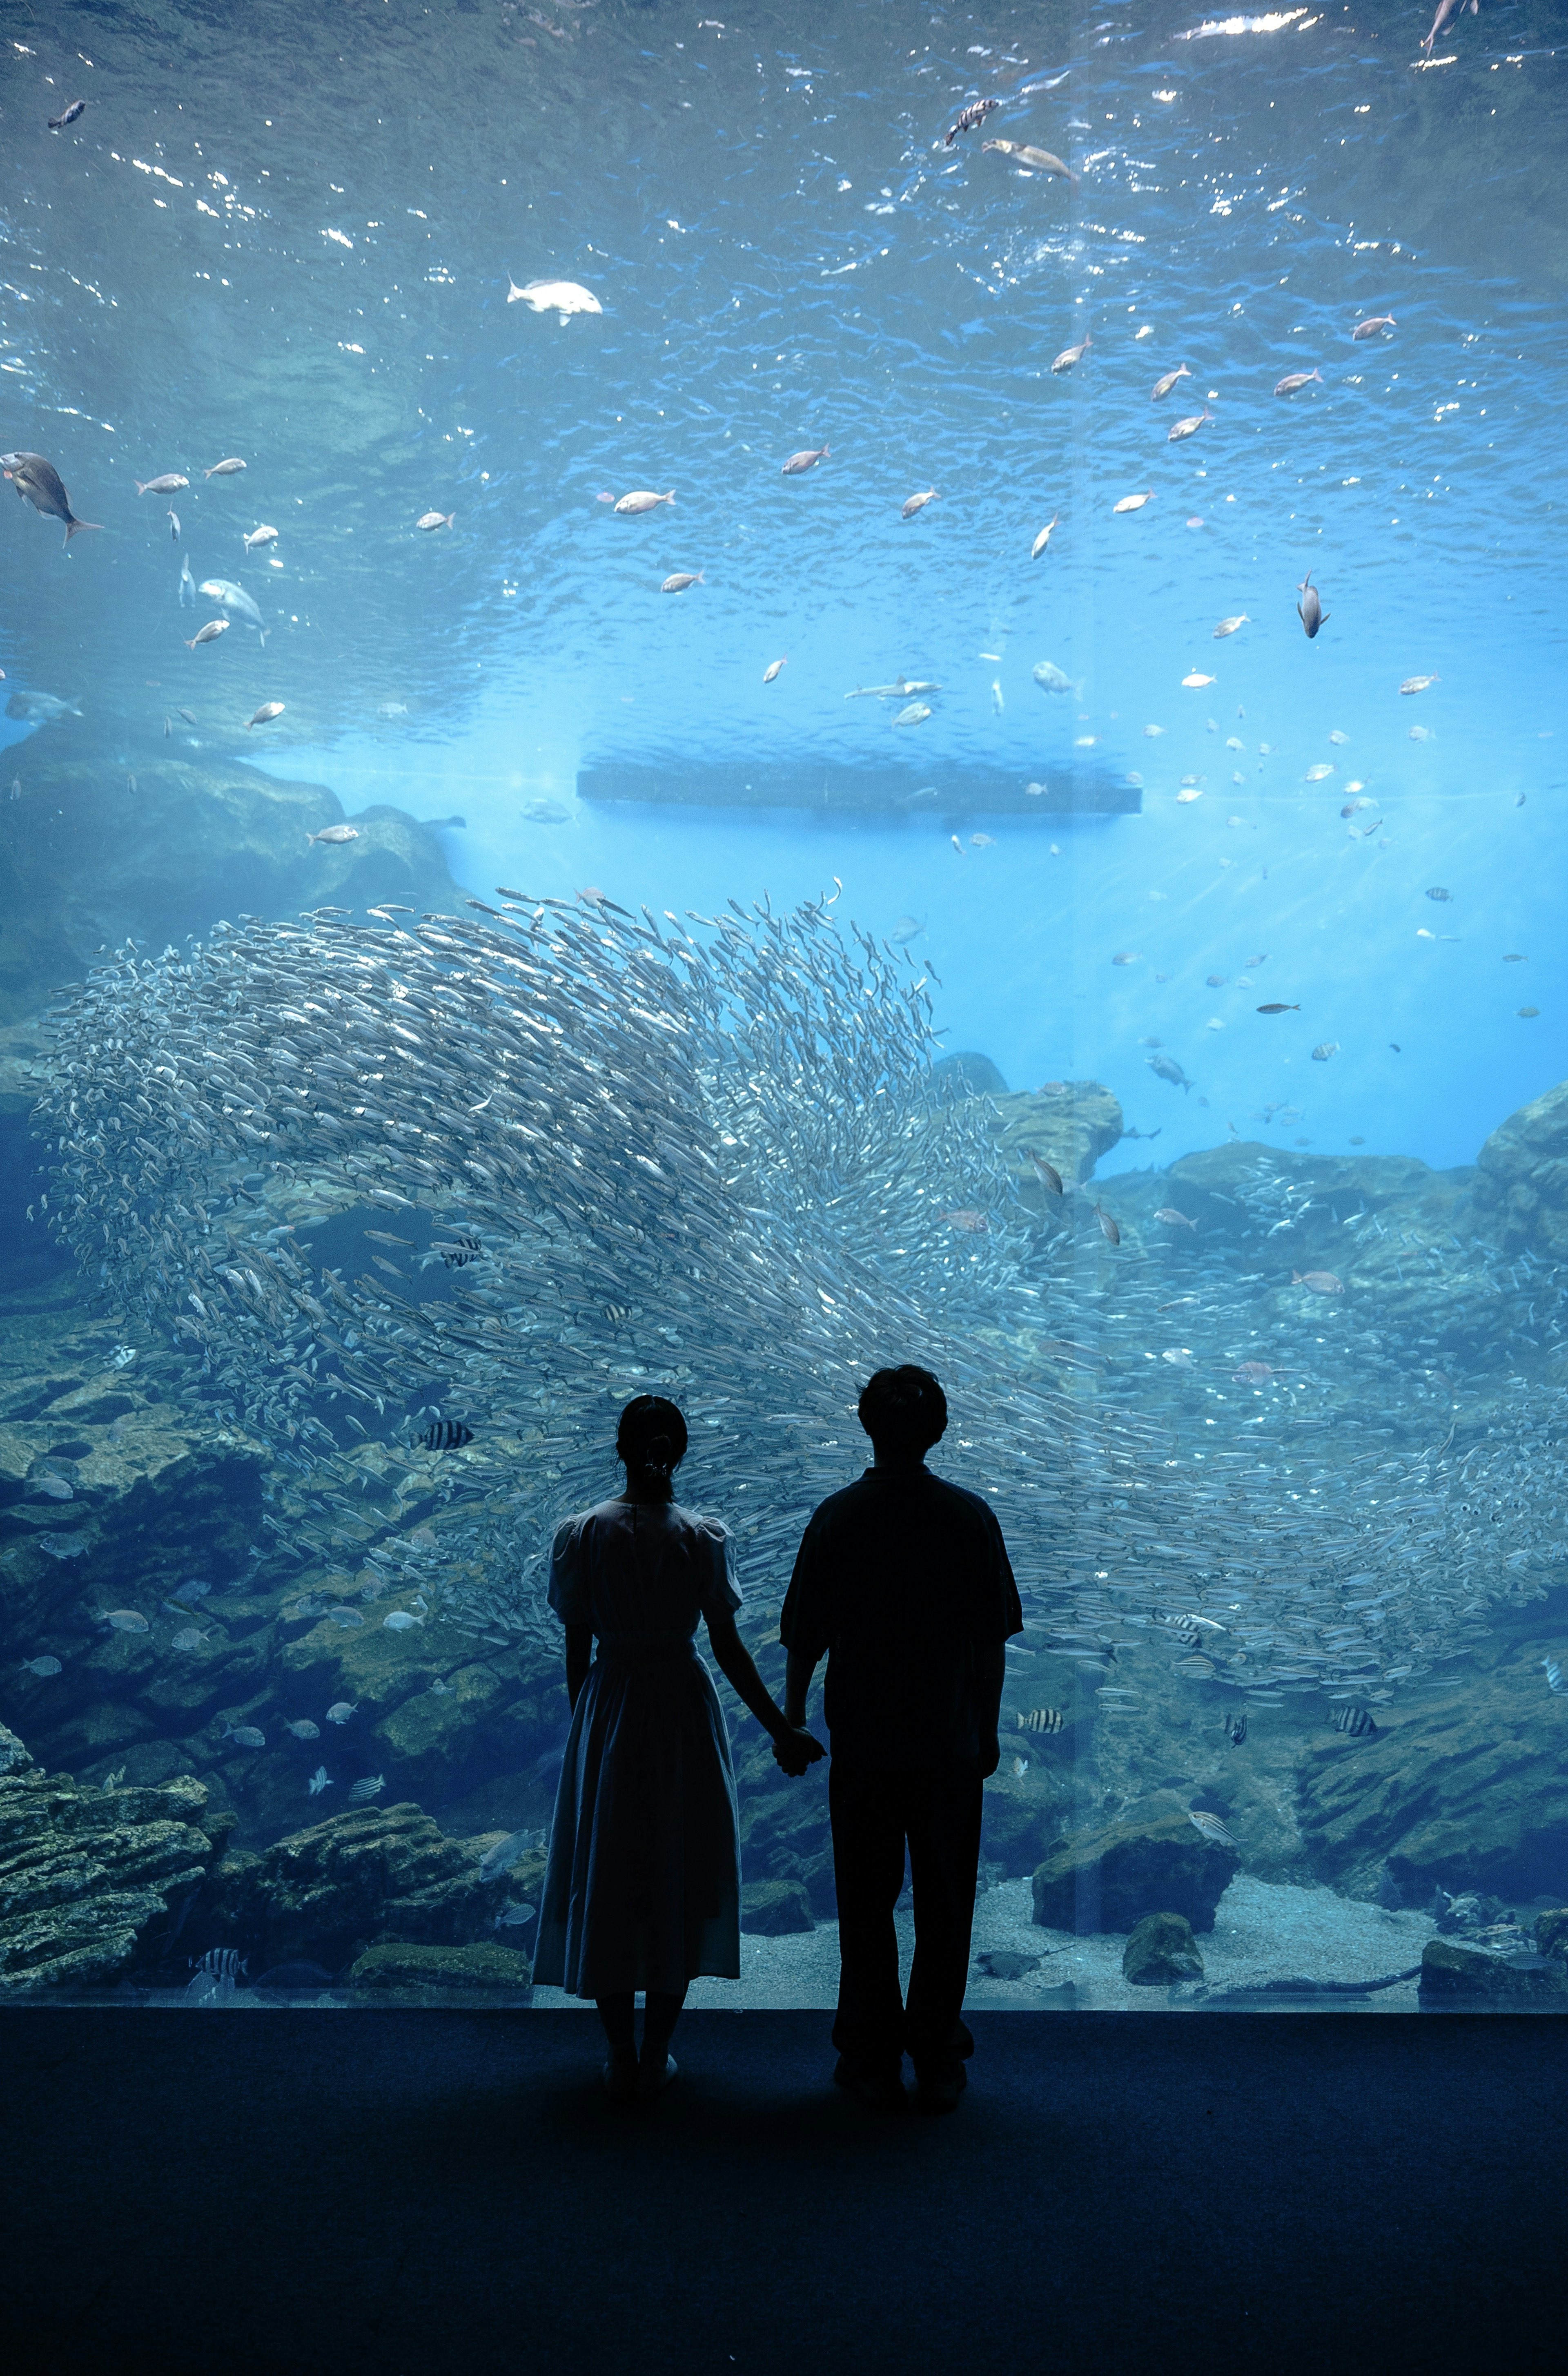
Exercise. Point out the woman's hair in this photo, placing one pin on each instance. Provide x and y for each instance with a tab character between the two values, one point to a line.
903	1412
651	1437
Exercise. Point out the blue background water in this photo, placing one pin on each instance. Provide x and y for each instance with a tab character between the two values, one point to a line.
291	240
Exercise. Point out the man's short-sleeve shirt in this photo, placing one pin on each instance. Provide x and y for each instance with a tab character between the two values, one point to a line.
899	1579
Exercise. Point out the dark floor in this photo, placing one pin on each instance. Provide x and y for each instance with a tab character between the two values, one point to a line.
410	2192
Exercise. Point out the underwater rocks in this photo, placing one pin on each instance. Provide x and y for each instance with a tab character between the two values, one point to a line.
211	837
774	1908
1521	1187
1070	1123
92	1882
402	1975
1469	1979
1148	1858
969	1074
1161	1949
369	1876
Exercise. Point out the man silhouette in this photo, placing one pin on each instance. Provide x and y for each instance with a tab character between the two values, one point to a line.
903	1580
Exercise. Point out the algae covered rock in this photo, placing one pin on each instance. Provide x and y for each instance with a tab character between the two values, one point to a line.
1070	1123
1162	1948
1464	1975
771	1908
92	1882
368	1875
1552	1933
1521	1185
1148	1858
408	1975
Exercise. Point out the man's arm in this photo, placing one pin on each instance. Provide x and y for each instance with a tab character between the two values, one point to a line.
990	1673
799	1672
579	1658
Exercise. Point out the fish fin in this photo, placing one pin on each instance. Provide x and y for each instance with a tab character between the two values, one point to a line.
73	528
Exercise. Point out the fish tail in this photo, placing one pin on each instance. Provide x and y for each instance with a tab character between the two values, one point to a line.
141	485
73	528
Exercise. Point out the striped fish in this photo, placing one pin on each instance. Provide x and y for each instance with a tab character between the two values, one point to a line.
1041	1720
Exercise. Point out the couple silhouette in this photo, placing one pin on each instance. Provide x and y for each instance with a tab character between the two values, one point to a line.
903	1583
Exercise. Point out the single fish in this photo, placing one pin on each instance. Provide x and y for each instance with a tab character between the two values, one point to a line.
1422	734
642	499
168	484
188	1639
249	1736
207	634
1134	504
1071	355
1040	1719
1187	427
431	520
341	1710
1309	610
770	672
562	297
1322	1282
264	715
1177	1220
681	580
912	503
345	1617
225	469
1419	684
1528	1013
1037	160
968	118
1236	1730
1439	894
1043	539
1228	627
545	813
914	713
1334	736
42	1668
43	709
806	459
1165	1068
446	1435
1319	772
1212	1827
1324	1049
1373	324
1293	380
39	484
304	1730
189	716
399	1622
173	528
233	601
1163	387
334	833
126	1621
1108	1229
187	592
1555	1678
1278	1006
1196	680
1258	960
1128	957
1047	1174
1252	1373
1355	1721
368	1787
1447	9
78	108
320	1780
56	1488
1050	679
259	536
969	1219
907	929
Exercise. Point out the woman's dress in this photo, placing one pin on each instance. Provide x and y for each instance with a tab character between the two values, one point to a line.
642	1881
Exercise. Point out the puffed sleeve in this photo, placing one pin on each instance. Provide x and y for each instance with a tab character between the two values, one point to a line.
567	1594
719	1586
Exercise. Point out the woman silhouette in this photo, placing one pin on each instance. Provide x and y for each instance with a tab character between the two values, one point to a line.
642	1881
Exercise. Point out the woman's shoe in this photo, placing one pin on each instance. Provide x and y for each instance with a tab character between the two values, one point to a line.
621	2074
654	2075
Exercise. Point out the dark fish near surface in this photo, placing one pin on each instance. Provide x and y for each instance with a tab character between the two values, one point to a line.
1041	1720
806	459
1310	610
446	1435
1356	1721
1038	160
968	118
1165	1068
168	484
76	108
44	488
1293	380
1278	1006
1438	893
1373	323
1071	355
1164	387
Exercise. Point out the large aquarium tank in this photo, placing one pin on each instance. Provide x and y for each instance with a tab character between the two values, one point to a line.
695	702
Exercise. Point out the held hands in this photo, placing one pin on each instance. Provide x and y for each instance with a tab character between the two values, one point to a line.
796	1749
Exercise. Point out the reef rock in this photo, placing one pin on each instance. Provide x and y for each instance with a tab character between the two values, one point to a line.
91	1882
211	836
404	1975
1162	1948
1071	1124
1521	1186
1463	1976
1148	1858
1552	1933
970	1073
773	1909
369	1876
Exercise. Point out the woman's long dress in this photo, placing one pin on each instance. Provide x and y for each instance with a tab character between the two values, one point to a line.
642	1881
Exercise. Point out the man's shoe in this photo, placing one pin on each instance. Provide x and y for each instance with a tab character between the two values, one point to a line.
621	2074
940	2092
883	2091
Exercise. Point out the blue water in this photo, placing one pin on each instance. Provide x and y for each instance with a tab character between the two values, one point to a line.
297	254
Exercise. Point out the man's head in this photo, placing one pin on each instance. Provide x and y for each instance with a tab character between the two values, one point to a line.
904	1412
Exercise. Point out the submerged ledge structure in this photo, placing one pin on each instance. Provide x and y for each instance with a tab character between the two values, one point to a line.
839	791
